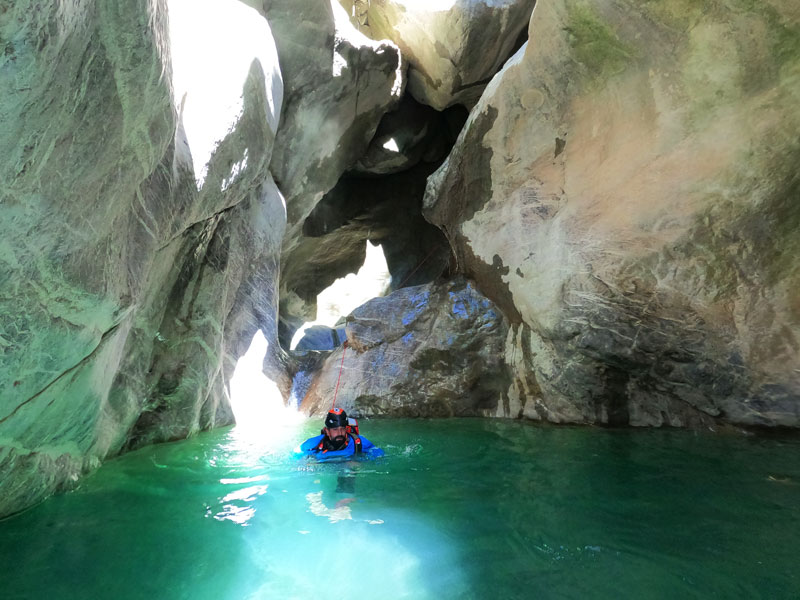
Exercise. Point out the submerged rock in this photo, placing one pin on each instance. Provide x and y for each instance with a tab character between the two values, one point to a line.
626	192
429	350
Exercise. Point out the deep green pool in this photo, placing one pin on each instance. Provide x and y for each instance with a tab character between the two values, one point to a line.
457	509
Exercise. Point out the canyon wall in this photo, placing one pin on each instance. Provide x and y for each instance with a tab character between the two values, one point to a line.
626	190
590	212
128	283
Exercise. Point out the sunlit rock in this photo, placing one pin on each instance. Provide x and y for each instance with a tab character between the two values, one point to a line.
626	192
226	289
124	288
338	85
207	82
453	46
430	350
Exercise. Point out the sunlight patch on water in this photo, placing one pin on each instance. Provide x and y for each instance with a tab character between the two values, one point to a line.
238	514
386	564
318	508
246	494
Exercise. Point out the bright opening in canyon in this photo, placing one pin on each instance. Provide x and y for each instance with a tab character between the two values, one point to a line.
347	293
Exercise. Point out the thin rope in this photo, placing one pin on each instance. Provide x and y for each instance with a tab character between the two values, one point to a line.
344	346
407	277
336	391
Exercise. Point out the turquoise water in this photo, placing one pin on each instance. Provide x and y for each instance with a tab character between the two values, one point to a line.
457	509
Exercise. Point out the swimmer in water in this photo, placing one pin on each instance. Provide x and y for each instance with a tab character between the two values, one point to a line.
339	437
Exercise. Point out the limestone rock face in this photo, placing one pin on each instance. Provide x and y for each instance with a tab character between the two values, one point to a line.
125	289
428	350
453	47
385	211
626	191
338	85
226	289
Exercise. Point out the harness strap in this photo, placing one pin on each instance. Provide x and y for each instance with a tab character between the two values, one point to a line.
357	449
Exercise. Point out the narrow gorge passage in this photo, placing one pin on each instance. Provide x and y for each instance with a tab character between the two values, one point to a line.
589	215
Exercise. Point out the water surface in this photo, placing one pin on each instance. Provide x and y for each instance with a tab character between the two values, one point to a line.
457	509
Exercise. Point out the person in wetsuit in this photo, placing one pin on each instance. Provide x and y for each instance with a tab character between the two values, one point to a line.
336	440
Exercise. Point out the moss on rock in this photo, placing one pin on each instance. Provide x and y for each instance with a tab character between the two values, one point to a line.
595	45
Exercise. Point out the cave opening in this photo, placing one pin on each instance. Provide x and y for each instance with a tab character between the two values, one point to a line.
377	200
337	300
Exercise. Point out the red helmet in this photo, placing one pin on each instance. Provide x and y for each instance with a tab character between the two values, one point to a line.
336	417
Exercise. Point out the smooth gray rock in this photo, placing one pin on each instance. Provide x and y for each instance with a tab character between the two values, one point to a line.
338	85
83	217
126	291
453	47
625	191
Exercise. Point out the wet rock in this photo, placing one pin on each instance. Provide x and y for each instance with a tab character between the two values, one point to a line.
625	192
429	350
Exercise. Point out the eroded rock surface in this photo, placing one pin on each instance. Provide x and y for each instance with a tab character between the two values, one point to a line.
385	211
428	350
453	47
626	191
338	85
125	290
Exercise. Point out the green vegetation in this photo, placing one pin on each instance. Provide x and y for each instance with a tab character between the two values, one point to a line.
595	45
677	14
